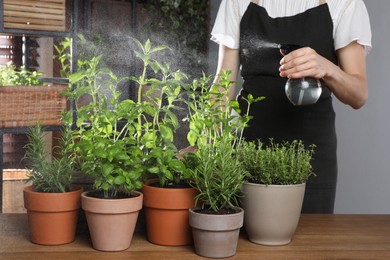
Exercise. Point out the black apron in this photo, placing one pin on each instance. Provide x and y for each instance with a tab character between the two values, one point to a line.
275	117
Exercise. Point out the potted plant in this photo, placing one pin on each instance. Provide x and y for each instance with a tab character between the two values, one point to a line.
52	202
106	150
24	99
274	191
167	195
218	173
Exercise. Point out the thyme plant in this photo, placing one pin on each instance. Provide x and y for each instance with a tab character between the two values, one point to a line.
284	163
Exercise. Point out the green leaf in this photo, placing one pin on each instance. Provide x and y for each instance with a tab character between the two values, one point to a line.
166	133
77	76
177	165
119	180
192	137
149	139
154	170
107	169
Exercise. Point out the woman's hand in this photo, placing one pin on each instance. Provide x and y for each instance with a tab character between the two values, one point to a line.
347	80
303	62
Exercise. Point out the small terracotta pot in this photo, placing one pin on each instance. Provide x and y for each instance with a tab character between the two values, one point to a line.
52	217
216	236
272	212
111	222
166	214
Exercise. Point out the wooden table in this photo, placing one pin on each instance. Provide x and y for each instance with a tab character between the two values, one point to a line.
317	237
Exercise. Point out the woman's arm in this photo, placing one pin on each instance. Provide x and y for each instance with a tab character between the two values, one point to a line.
347	81
228	59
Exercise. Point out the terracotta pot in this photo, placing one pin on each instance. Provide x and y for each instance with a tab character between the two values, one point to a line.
52	217
166	214
111	222
272	212
216	236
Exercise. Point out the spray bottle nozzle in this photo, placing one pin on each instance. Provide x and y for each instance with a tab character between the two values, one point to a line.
287	48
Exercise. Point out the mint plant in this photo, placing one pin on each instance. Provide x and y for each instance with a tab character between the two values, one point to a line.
158	122
121	143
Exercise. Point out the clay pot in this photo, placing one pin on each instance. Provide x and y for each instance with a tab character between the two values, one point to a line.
52	217
216	236
166	214
111	222
272	212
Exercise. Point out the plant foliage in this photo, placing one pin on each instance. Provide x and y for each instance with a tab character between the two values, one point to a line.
218	173
183	26
284	163
119	143
45	173
11	76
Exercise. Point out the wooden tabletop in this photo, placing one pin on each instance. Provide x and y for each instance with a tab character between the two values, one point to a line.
317	237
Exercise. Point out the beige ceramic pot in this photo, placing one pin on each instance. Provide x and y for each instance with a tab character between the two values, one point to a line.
52	217
111	222
272	212
216	236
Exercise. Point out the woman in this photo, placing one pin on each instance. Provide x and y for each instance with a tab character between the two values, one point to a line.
336	37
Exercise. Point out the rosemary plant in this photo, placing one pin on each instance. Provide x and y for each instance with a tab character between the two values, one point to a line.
218	173
49	174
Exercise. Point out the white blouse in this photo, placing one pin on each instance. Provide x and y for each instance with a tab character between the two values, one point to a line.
350	19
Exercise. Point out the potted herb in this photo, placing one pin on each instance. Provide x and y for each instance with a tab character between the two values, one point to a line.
167	195
24	99
107	152
52	202
274	191
218	173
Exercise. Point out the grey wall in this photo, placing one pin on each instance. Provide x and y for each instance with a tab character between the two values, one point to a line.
364	134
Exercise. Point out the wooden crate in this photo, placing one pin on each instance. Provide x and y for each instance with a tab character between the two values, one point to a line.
13	184
45	15
23	106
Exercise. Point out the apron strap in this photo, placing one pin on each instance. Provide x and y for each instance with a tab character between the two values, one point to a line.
259	2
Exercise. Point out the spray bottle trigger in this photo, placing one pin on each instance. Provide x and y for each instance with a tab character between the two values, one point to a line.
287	48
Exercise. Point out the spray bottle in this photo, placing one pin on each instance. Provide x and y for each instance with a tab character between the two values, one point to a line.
303	91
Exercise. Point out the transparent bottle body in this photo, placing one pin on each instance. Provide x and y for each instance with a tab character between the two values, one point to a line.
303	91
